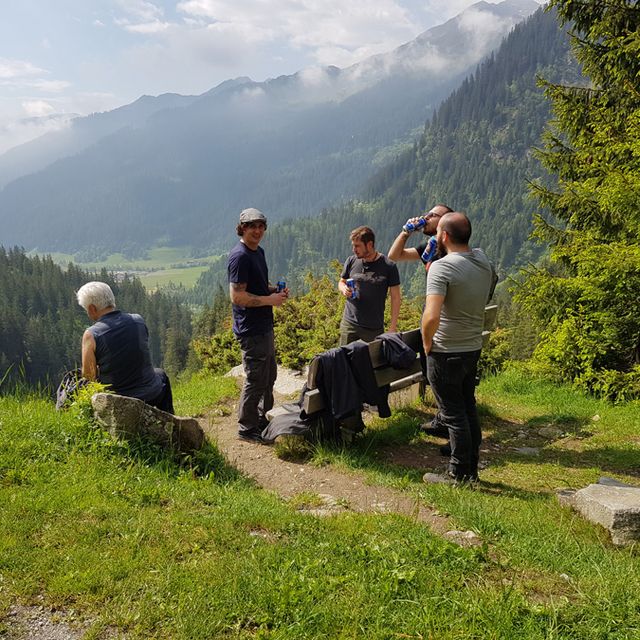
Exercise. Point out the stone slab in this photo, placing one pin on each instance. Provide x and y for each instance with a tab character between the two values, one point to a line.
617	508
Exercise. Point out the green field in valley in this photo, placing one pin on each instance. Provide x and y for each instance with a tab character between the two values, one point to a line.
160	267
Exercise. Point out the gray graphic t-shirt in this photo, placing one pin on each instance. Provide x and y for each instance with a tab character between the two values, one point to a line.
464	279
373	280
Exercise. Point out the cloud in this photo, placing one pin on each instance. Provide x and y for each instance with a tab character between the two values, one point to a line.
143	17
329	31
37	108
141	9
147	27
18	132
10	69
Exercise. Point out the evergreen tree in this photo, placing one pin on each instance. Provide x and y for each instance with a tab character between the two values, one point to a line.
585	299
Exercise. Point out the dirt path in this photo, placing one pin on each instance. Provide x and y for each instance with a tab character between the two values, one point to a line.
340	491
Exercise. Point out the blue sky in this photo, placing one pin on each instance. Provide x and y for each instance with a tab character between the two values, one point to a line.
65	57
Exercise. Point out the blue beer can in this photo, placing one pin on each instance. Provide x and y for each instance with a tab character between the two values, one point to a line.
430	250
412	226
351	283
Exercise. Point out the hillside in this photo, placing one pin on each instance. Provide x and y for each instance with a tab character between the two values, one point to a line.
119	540
176	170
474	154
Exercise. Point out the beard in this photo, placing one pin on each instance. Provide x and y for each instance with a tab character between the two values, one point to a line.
441	250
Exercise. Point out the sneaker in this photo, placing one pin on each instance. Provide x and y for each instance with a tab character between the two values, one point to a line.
445	450
450	479
251	436
439	431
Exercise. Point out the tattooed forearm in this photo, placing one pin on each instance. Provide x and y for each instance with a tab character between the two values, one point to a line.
251	300
240	296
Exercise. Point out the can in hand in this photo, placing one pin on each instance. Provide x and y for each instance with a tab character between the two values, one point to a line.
430	250
281	285
412	226
351	283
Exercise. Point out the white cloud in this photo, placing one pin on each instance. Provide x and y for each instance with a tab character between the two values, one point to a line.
50	86
18	132
143	17
330	31
141	9
37	108
10	69
147	27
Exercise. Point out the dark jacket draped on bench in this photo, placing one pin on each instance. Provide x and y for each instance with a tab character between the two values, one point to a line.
346	379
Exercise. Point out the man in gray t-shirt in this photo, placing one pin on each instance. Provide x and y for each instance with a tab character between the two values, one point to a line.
373	275
458	287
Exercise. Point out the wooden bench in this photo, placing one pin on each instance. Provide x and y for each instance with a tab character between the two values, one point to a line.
397	378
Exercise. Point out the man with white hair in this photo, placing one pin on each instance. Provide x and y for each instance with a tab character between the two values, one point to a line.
115	349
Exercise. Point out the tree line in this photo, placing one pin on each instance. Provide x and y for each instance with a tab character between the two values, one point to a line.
41	323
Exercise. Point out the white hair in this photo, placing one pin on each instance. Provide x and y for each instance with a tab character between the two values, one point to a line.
98	294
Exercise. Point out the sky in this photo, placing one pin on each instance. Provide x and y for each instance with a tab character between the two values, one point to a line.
61	58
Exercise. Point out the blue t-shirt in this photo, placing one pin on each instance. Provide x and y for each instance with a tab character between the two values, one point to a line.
248	266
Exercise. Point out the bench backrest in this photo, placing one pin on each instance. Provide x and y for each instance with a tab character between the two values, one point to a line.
411	338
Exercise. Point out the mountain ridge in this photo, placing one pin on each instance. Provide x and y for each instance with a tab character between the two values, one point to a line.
180	167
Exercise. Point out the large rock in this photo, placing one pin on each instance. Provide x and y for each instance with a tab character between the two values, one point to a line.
130	418
613	505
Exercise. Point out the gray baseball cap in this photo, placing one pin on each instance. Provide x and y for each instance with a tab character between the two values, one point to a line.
252	215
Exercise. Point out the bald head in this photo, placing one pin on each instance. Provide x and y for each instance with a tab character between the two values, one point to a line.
457	226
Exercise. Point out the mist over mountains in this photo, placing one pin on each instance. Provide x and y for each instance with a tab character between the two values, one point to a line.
177	169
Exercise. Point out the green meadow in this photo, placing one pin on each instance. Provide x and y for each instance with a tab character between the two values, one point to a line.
157	548
161	266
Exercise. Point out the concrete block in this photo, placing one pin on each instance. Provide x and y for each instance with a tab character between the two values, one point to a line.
617	508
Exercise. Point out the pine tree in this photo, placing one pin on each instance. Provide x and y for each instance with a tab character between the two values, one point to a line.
585	299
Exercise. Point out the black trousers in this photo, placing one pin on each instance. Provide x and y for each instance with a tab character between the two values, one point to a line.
164	400
452	377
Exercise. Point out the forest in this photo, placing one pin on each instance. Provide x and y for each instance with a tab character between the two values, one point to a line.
41	323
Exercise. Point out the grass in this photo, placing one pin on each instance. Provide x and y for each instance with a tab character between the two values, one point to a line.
194	394
161	267
129	538
186	276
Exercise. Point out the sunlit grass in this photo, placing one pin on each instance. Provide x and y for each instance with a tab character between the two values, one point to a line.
132	539
186	277
194	394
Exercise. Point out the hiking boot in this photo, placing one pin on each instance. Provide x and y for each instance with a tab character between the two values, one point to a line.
251	436
451	479
437	430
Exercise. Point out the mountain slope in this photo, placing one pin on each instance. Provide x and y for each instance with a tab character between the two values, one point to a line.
291	146
473	155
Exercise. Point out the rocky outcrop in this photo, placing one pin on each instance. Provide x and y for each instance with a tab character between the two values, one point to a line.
130	418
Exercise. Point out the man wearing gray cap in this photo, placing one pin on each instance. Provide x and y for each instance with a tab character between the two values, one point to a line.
252	300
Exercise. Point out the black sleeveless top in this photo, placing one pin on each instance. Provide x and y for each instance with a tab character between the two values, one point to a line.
122	354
